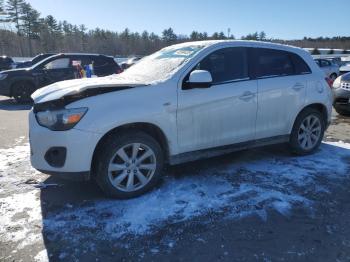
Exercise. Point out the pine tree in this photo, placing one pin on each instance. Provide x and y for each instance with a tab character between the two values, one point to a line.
14	12
315	52
168	36
51	22
262	36
31	24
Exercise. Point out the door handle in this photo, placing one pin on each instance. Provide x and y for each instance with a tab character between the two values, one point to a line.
298	86
247	96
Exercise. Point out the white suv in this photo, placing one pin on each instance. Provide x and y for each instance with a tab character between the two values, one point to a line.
184	102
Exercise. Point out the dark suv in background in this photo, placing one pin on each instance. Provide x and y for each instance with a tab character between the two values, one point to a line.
36	59
21	83
6	63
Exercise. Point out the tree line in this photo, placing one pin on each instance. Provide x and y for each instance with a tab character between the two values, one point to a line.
24	32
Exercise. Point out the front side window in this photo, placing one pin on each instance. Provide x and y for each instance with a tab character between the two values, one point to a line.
225	65
60	63
271	63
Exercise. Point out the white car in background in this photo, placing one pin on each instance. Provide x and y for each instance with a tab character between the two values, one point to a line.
345	68
185	102
328	67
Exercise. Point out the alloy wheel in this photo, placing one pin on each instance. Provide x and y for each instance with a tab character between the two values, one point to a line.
132	167
309	132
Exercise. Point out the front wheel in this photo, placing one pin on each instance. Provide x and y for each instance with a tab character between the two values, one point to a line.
129	165
333	76
22	91
308	132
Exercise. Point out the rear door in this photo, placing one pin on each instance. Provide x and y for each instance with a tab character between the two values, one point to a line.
281	90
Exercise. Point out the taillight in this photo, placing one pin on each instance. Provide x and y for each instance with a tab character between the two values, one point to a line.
329	82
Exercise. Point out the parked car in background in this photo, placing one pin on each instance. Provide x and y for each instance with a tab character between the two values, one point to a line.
36	59
341	91
345	68
328	67
335	60
130	62
6	63
21	83
185	102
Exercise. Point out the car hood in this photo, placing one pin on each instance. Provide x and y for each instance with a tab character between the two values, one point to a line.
16	71
73	87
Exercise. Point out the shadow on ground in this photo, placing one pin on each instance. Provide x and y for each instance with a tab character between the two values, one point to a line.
12	105
227	208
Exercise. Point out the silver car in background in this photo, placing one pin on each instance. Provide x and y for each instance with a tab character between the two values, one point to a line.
328	67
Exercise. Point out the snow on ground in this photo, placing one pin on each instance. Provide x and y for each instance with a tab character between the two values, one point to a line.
230	191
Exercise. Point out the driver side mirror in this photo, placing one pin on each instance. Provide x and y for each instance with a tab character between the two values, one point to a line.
198	79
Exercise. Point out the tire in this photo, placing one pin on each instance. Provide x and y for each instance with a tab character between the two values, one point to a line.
342	111
308	131
129	176
21	91
333	76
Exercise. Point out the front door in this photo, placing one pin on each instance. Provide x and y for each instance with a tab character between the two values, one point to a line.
223	114
56	70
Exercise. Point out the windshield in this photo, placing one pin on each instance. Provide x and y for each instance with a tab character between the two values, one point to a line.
162	64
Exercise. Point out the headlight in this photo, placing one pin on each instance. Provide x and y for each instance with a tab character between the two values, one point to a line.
3	76
60	120
337	82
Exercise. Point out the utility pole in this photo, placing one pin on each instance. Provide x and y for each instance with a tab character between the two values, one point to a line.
228	32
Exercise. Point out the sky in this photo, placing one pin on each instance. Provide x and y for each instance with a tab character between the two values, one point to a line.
283	19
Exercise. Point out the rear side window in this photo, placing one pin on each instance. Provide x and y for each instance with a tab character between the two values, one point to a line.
271	63
325	63
300	65
226	65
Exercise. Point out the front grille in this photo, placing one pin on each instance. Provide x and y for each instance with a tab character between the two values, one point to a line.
345	85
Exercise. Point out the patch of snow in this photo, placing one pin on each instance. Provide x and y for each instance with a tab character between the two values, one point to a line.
271	183
41	256
232	191
21	218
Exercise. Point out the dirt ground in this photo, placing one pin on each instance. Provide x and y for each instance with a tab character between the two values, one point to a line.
256	205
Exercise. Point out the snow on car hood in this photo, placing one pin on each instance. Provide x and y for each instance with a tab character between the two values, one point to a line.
71	87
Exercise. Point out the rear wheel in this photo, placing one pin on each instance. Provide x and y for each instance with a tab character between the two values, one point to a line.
308	131
129	165
333	76
22	91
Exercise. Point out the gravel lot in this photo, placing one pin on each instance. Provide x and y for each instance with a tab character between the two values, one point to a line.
258	205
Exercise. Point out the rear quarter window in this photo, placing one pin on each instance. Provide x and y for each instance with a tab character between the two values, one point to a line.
273	63
300	66
102	61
